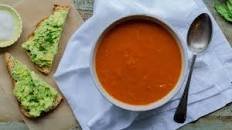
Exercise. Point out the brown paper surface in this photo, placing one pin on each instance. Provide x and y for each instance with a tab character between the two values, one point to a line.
32	11
10	2
8	109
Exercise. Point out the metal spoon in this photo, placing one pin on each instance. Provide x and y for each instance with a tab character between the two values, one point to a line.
199	37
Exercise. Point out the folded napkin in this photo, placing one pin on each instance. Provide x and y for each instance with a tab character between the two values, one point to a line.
210	87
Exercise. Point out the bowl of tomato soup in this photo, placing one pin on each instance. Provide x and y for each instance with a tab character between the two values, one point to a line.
138	63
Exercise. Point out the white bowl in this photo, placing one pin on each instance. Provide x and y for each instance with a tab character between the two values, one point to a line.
17	25
163	100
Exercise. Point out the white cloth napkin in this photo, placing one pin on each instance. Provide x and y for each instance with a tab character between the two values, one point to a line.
210	89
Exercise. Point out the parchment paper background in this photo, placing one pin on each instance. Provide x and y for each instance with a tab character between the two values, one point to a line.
32	11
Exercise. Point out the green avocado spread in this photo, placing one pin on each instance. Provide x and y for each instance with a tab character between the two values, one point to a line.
34	95
43	46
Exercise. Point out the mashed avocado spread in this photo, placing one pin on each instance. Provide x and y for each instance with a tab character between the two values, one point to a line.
43	46
34	95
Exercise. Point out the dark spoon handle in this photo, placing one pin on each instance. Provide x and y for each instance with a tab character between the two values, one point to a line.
181	110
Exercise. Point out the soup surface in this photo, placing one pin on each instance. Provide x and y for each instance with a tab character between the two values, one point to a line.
138	62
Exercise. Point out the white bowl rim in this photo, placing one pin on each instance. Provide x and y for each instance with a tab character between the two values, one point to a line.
20	28
171	94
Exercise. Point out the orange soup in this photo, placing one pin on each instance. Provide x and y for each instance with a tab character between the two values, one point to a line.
138	62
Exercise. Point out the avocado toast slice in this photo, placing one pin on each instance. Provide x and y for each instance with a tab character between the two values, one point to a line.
35	96
43	44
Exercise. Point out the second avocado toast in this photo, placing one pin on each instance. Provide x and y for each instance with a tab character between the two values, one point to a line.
34	95
43	44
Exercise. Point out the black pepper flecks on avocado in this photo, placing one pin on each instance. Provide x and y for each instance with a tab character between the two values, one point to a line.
34	95
43	46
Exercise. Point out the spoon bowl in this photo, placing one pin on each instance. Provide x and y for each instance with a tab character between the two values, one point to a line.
199	37
200	33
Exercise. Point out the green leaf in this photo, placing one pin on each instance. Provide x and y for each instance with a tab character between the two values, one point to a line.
224	9
229	5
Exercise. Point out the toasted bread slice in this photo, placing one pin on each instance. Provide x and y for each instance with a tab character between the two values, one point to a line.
47	69
10	62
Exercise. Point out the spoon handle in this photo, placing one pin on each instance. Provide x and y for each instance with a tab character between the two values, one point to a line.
181	111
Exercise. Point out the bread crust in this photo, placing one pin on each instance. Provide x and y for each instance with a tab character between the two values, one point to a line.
47	70
9	63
